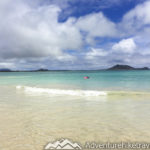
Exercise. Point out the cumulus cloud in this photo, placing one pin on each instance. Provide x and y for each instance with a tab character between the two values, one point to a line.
96	53
35	32
125	46
97	25
137	18
6	65
133	51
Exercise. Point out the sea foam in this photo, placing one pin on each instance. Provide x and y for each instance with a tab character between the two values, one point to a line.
28	89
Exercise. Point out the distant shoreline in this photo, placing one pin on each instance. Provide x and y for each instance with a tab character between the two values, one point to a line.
114	68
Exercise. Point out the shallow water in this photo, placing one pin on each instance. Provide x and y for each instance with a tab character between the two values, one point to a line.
30	119
99	80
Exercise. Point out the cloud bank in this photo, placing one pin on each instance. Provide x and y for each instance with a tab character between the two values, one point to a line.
31	36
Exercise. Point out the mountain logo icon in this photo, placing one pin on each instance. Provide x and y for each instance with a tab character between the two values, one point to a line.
62	144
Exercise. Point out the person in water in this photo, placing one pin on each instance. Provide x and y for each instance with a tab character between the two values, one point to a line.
86	77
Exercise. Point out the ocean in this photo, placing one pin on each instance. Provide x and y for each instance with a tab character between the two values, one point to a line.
40	107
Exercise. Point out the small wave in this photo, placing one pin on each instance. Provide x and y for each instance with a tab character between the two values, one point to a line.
54	92
32	90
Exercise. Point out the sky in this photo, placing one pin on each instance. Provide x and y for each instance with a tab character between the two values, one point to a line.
74	34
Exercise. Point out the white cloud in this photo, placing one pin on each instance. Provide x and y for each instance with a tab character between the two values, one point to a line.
66	57
96	25
137	18
96	52
35	32
125	46
7	65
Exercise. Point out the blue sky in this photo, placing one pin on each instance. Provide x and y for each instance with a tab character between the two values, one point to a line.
114	10
74	34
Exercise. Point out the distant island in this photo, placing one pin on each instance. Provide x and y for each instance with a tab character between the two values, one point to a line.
115	68
126	67
42	69
9	70
5	70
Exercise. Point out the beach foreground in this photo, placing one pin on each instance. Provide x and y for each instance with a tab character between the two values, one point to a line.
30	119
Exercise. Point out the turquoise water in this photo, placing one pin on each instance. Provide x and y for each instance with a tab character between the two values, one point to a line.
99	80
